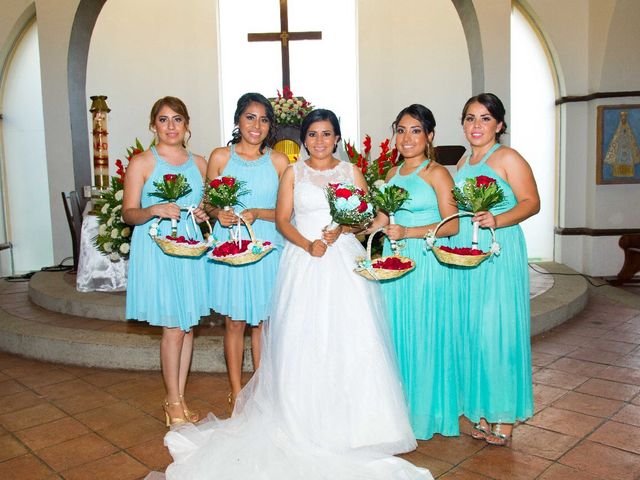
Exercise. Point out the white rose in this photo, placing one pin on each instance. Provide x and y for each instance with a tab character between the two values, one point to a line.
110	222
102	230
117	208
105	208
378	183
115	233
107	247
124	248
126	231
114	257
118	195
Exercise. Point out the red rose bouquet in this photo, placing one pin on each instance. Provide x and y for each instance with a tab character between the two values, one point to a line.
172	187
223	192
348	205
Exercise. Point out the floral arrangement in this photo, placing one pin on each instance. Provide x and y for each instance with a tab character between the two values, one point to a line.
388	198
348	205
478	194
374	171
172	187
289	110
114	236
223	192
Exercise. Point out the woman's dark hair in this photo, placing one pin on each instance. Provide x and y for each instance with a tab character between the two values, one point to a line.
175	104
243	102
491	103
319	115
426	119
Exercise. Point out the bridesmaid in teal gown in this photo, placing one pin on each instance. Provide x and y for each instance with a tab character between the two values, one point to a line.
495	346
419	303
243	293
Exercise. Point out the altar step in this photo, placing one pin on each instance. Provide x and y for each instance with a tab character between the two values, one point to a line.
47	319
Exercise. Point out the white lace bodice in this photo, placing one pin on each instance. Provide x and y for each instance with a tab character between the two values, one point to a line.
310	207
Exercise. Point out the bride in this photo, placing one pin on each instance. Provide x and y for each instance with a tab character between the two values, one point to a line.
326	402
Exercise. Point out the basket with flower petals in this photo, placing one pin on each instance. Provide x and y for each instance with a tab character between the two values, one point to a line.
460	256
181	246
383	268
241	252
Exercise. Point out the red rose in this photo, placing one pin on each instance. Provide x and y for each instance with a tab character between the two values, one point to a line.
343	193
359	191
362	207
334	185
215	183
170	177
228	181
484	181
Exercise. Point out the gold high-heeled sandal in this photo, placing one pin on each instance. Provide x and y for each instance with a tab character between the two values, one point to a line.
189	414
169	420
232	401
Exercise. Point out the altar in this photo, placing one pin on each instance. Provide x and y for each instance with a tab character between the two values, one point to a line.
96	272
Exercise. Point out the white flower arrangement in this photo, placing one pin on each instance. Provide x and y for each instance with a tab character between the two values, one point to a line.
289	110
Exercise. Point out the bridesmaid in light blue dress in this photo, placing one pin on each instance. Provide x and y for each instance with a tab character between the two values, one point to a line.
494	330
243	293
165	290
419	303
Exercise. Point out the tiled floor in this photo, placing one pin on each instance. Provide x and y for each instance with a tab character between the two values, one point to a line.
58	421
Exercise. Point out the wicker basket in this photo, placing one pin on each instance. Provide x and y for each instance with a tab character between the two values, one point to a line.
366	269
457	259
248	256
177	249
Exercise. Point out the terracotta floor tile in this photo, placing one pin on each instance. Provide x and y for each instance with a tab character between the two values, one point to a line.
565	421
459	473
85	401
25	467
629	414
104	378
565	338
505	464
47	377
542	443
77	371
588	404
622	337
608	389
137	431
10	387
26	368
419	459
30	417
558	378
47	434
3	378
552	348
629	361
70	388
595	355
118	466
636	400
10	448
541	359
546	395
621	374
620	347
562	472
603	461
135	387
584	331
580	367
109	416
619	435
450	449
77	451
153	454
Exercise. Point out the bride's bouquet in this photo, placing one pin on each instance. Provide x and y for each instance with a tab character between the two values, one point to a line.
347	205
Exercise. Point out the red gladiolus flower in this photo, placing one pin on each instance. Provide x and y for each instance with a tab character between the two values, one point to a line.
170	177
362	207
384	148
287	93
228	181
120	171
215	183
394	156
350	150
343	193
484	181
367	145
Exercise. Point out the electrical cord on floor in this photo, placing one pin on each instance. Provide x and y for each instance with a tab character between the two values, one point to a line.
586	277
25	277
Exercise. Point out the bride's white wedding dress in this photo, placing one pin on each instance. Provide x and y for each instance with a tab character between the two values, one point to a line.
326	402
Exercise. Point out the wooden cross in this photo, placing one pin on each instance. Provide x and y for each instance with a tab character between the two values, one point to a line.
284	37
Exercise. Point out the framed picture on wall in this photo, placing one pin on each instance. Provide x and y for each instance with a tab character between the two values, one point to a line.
618	150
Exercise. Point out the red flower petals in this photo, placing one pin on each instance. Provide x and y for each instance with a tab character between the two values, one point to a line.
462	251
391	263
181	239
231	248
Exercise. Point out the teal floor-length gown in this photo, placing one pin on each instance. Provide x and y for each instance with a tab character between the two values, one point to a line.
495	348
419	306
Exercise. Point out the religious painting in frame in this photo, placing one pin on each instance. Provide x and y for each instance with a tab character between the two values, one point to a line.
618	148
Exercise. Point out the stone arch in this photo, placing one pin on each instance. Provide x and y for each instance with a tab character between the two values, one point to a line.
471	28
